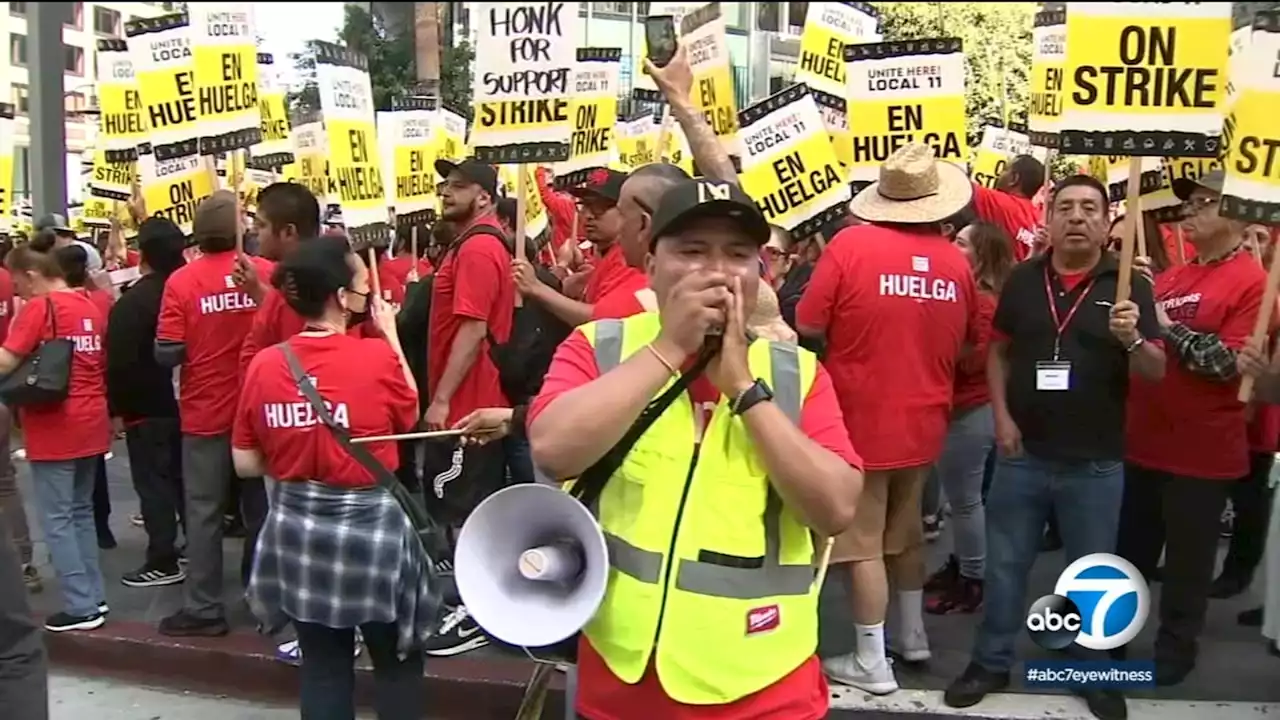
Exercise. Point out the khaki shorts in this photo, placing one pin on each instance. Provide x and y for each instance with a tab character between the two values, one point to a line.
888	517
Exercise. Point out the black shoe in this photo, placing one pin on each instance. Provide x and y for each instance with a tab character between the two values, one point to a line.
232	527
1105	704
458	634
1250	618
62	622
1227	586
976	683
184	624
106	539
154	576
945	578
1172	672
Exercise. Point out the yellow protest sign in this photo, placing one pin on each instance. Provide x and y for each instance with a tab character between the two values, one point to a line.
594	110
703	36
1252	188
346	99
450	132
1049	37
998	146
274	149
676	151
535	212
113	180
1113	171
6	164
1162	202
1145	78
788	167
173	188
121	127
161	52
405	138
835	118
828	27
225	57
310	167
637	142
524	62
905	92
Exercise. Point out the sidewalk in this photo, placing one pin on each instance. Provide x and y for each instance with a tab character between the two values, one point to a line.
1233	665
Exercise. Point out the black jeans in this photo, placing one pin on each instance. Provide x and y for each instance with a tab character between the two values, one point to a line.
24	691
1251	499
155	462
328	673
253	509
408	470
1191	509
101	498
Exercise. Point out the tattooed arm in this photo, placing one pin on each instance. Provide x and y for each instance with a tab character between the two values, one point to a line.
676	83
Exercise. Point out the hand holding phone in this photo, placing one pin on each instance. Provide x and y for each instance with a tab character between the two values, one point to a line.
660	38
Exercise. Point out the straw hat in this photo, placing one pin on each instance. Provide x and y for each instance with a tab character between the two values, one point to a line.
766	319
914	188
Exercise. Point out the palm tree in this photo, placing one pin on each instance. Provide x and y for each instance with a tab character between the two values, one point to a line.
426	44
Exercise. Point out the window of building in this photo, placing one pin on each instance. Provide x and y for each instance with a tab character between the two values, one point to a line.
767	17
77	16
735	15
73	59
622	9
18	8
18	50
106	21
796	13
74	102
21	99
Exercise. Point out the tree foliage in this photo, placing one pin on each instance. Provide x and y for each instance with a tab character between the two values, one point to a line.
389	51
305	98
455	77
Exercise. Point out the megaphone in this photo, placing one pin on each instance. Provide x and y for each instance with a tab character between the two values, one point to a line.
531	565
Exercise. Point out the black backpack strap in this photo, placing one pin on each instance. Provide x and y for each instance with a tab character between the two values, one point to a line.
456	246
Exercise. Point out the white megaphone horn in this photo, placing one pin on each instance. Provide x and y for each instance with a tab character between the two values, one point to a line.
531	565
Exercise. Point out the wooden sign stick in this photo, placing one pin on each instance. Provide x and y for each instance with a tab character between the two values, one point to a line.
413	250
374	284
1259	337
520	210
1177	237
1139	227
1124	283
428	435
237	179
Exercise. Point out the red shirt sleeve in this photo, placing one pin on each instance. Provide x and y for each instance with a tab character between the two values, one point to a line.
172	324
1237	326
573	366
560	206
244	435
481	269
979	334
822	421
401	397
819	299
29	328
424	268
262	332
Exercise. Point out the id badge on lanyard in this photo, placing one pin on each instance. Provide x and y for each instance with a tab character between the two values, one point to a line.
1055	374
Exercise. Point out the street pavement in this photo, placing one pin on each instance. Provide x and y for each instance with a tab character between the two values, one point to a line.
75	697
1233	664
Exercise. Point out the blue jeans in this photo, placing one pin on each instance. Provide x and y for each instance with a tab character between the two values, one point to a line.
64	493
970	438
1085	496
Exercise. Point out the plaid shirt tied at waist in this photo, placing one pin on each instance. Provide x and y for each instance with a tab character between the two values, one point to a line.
341	558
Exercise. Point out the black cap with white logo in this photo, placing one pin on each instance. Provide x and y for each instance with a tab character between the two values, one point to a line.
692	200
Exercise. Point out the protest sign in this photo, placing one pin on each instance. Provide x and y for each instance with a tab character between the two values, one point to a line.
405	138
346	99
999	145
173	188
309	151
161	52
904	92
676	150
97	212
703	36
535	212
1047	57
637	142
525	59
113	180
1145	79
788	167
1113	171
641	83
1252	188
121	127
451	135
594	110
225	58
835	118
6	165
828	27
274	149
1162	202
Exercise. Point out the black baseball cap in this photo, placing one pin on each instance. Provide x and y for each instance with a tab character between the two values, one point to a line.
601	182
1211	181
472	170
692	200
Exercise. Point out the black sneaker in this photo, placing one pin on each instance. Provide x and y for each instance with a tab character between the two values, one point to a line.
103	608
184	624
1173	672
106	539
1228	586
945	577
1105	704
1250	618
62	622
975	684
154	576
458	634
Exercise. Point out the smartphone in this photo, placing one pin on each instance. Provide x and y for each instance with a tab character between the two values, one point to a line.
660	38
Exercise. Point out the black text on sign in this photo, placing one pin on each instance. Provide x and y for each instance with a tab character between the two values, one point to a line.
1147	76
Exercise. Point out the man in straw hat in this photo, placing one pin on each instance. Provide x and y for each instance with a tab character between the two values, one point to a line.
895	303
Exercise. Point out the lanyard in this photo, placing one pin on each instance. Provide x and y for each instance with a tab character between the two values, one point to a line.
1061	324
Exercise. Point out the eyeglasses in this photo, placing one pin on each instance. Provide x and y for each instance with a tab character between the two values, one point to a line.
1195	205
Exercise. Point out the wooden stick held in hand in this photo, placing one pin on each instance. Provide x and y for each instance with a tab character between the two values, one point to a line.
520	209
1260	326
413	250
374	284
1125	283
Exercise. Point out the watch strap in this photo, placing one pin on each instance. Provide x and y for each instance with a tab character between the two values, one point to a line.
758	392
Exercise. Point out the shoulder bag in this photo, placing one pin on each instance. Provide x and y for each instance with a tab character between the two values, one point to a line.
44	376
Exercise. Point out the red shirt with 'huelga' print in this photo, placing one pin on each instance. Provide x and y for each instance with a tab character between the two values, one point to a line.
79	426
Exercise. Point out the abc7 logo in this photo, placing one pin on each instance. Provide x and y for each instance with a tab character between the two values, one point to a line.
1100	602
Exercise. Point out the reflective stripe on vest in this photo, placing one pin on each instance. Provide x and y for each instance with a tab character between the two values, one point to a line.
772	578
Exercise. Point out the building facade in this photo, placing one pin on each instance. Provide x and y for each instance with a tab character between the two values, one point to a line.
89	21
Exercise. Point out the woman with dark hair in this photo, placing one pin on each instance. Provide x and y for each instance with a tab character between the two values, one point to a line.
336	552
971	434
64	439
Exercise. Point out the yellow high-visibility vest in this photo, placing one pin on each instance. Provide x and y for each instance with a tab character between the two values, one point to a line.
711	575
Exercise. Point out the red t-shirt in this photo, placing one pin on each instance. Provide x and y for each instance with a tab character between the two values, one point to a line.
392	287
362	383
801	695
623	300
1169	236
1188	424
6	303
896	308
204	309
561	209
79	426
610	272
473	283
1016	215
276	322
1264	429
971	370
103	300
398	267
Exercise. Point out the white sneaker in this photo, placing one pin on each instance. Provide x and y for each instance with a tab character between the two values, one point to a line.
913	647
847	670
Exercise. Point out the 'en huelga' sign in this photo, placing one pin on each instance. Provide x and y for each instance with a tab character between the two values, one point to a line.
1252	189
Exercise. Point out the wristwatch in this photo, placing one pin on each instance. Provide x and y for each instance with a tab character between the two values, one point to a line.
758	392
